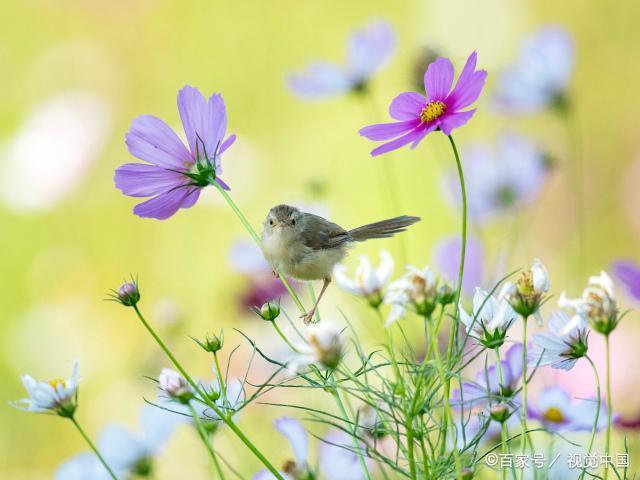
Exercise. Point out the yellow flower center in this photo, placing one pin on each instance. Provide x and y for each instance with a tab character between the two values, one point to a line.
432	111
56	382
553	415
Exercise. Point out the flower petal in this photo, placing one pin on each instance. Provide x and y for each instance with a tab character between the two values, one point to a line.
319	80
166	204
152	140
468	86
407	106
297	436
204	122
438	79
370	48
398	142
385	131
142	180
455	120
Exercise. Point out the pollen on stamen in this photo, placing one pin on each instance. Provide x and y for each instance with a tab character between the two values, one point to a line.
432	111
56	382
554	415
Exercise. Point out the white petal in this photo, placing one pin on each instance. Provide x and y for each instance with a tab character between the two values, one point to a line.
297	436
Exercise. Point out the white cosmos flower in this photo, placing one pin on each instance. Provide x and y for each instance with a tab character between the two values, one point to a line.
175	385
52	151
367	281
597	304
527	293
324	346
490	316
55	396
417	290
563	345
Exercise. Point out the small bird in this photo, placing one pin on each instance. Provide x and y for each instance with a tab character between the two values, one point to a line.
307	247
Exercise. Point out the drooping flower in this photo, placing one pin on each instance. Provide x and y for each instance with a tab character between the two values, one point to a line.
487	382
175	174
417	290
447	260
563	345
367	281
527	293
368	51
490	320
56	396
597	304
324	346
556	411
442	109
541	74
175	385
628	273
500	179
127	453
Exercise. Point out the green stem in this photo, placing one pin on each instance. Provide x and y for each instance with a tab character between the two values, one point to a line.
94	448
595	422
503	425
284	337
221	380
203	436
607	441
463	249
345	417
256	238
523	417
205	398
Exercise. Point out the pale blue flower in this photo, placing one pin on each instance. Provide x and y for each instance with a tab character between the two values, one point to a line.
563	345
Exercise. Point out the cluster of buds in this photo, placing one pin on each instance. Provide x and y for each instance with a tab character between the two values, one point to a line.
175	385
212	343
527	293
418	290
368	282
597	304
56	396
269	311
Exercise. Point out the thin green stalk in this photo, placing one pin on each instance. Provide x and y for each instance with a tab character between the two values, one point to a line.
345	417
203	436
205	398
607	442
503	425
284	337
256	238
93	447
463	249
595	422
523	417
221	380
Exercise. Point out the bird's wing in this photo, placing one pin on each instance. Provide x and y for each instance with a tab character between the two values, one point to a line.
320	234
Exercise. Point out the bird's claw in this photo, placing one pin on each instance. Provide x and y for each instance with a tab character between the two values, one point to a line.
308	317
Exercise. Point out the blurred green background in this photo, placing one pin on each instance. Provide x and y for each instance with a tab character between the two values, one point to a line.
63	246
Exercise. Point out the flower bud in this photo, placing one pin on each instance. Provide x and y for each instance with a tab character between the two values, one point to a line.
446	294
175	385
212	343
466	473
500	413
269	311
128	294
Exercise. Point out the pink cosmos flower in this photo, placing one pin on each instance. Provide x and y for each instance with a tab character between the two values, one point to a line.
175	174
442	109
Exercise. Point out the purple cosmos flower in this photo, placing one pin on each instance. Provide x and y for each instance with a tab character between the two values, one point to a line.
540	75
447	260
441	109
556	411
368	51
175	174
629	273
563	345
487	382
501	178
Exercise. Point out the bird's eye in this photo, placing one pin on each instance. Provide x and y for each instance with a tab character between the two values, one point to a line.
293	221
271	222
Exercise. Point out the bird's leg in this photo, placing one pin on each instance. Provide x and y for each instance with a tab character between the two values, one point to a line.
308	317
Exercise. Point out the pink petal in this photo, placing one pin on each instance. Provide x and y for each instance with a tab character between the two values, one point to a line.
438	79
152	140
455	120
204	122
142	180
407	106
385	131
469	85
166	204
398	142
429	128
227	143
